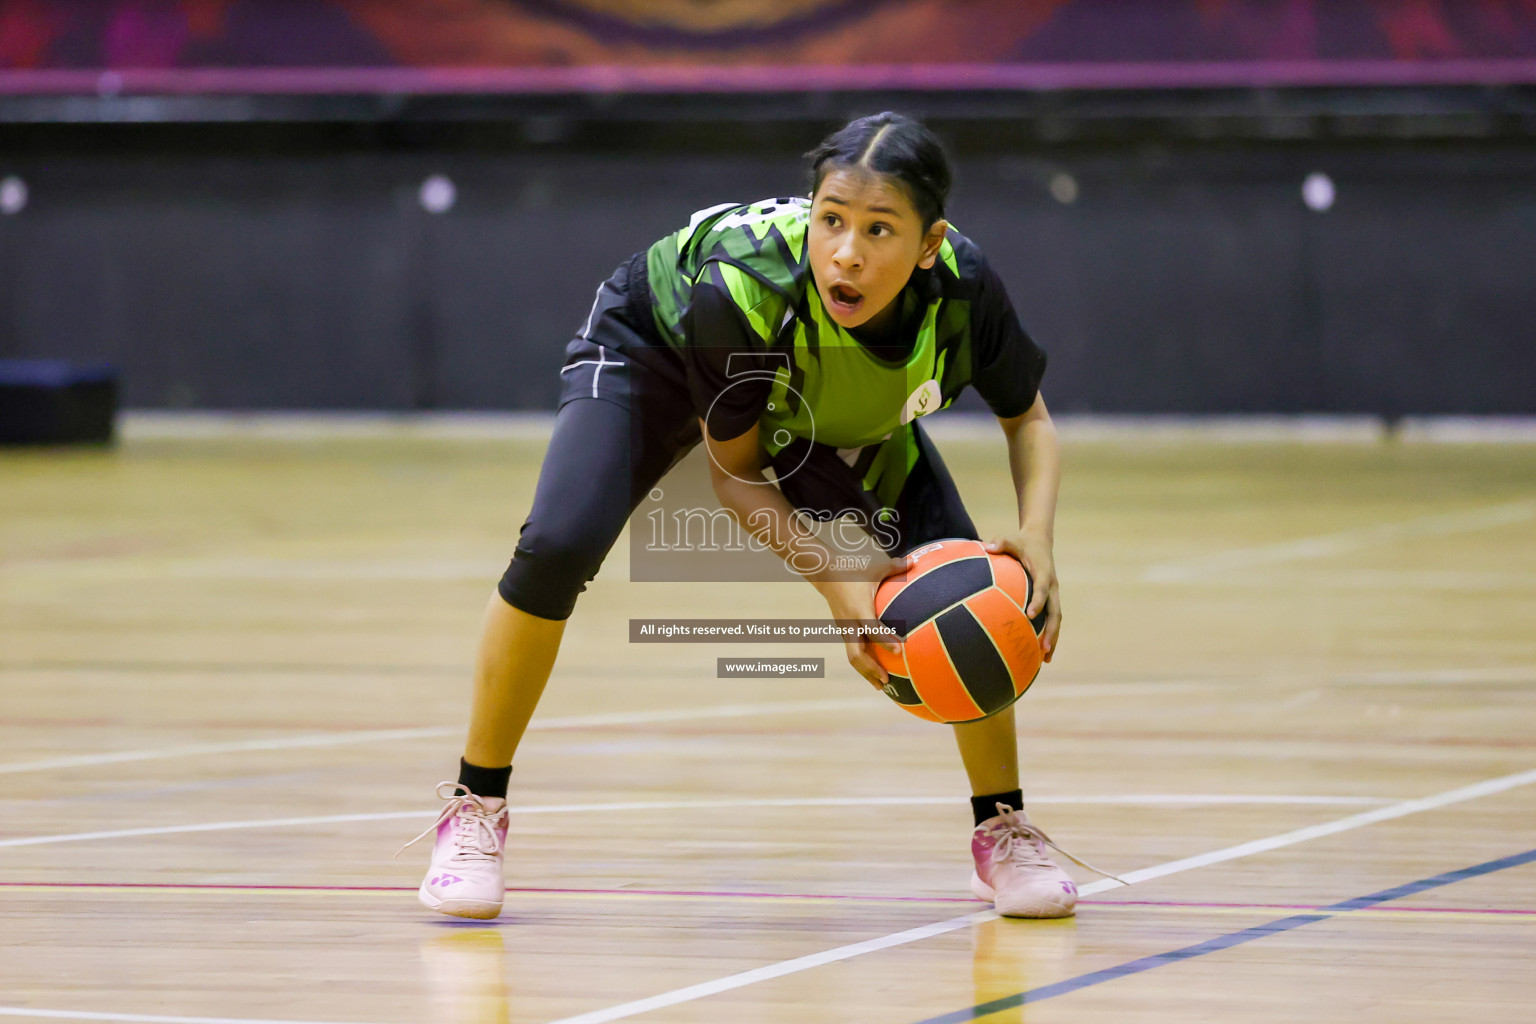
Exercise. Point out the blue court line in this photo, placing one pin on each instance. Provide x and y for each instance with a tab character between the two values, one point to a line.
1227	941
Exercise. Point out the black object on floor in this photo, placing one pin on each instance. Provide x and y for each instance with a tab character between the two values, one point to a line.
46	401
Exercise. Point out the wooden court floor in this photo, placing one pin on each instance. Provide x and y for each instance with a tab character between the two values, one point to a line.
1295	706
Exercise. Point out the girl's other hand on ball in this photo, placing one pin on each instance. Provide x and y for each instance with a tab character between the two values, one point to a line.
1034	552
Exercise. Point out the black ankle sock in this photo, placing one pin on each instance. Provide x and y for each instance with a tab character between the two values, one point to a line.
486	782
985	807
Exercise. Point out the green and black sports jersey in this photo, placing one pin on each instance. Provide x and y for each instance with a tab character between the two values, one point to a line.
733	293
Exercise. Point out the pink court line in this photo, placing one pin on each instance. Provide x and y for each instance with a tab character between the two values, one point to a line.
708	894
532	890
1299	906
208	886
720	894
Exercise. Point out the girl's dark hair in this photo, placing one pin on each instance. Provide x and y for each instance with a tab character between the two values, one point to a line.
891	144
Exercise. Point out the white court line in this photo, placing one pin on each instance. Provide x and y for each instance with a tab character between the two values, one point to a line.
779	970
117	567
1402	581
951	425
440	570
146	424
196	749
1066	690
783	968
1144	800
1302	835
143	1018
1465	429
1492	516
165	425
337	739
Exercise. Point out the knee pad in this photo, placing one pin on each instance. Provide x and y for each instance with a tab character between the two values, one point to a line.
547	573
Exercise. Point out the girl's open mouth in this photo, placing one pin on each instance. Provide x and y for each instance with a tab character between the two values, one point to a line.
845	300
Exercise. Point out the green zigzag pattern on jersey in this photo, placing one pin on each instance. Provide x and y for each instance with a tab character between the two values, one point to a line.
763	240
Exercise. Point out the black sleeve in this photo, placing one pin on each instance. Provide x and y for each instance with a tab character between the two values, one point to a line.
1006	363
720	356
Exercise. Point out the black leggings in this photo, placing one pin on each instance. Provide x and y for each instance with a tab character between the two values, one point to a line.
592	478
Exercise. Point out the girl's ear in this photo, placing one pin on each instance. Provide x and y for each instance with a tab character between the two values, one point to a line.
931	244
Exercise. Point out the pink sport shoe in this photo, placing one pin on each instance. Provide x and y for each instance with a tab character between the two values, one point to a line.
465	877
1014	872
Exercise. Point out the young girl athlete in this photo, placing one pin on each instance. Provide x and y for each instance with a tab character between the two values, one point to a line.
856	311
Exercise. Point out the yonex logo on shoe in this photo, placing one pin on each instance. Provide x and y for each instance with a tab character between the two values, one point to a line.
445	880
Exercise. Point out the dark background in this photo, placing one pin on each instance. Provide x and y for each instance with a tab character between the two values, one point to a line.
239	253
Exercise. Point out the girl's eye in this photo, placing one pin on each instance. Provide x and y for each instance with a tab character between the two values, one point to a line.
880	229
830	220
